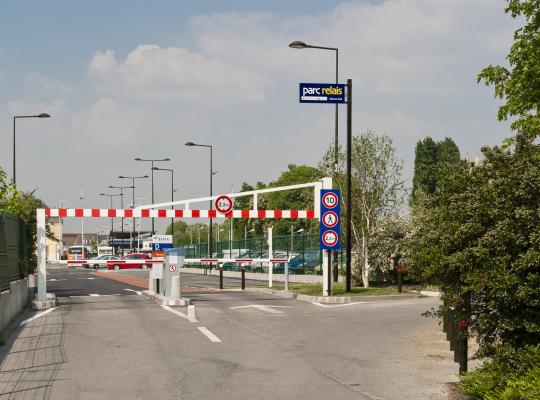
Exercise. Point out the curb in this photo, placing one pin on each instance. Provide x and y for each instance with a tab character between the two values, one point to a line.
184	301
334	300
302	297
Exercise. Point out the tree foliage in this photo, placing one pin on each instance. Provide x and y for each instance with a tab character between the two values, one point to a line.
519	84
23	205
428	155
377	190
478	237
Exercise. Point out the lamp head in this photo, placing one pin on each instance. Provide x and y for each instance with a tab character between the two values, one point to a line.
43	115
190	144
298	45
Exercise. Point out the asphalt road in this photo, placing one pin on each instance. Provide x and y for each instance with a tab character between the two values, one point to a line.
105	342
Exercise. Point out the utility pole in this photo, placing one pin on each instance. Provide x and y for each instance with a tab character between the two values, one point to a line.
349	187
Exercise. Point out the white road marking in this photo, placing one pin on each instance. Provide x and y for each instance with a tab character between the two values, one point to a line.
56	280
94	294
206	332
136	291
86	278
261	307
338	305
189	318
41	314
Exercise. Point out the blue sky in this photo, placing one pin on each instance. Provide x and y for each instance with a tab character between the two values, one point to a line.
129	79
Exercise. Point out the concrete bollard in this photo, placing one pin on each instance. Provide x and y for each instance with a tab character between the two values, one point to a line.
151	286
175	288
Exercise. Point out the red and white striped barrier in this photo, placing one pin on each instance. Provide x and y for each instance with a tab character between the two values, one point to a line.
134	213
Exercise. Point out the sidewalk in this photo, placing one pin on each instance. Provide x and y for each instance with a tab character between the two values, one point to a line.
32	356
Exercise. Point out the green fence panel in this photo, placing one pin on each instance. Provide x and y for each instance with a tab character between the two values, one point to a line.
13	248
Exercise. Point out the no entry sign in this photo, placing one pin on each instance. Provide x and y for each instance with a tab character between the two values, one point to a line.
224	204
330	225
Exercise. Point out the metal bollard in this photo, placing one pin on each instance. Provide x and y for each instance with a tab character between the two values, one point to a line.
221	278
243	278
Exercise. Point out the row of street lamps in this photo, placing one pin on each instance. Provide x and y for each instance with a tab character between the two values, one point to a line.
152	169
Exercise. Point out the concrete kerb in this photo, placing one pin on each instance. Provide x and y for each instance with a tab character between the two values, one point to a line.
162	300
332	299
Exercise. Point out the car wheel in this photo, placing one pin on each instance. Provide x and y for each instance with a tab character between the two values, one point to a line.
96	266
144	266
116	267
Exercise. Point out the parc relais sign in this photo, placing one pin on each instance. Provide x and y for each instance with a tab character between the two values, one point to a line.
322	93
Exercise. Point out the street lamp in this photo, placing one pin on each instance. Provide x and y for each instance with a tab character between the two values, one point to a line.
122	207
152	169
211	186
133	202
111	197
172	194
42	115
301	45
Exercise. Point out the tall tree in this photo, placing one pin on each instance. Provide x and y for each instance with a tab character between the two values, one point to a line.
428	155
518	84
478	237
377	190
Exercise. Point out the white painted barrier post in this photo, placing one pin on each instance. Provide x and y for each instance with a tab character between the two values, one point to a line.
270	256
41	255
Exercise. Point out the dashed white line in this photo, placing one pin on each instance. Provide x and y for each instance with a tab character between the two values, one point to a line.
188	317
56	280
41	314
94	295
206	332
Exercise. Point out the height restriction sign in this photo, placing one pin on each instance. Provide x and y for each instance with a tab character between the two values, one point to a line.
329	219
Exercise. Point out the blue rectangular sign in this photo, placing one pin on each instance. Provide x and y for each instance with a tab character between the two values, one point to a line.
322	93
330	224
161	246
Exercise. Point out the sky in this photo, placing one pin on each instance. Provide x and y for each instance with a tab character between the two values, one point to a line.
133	78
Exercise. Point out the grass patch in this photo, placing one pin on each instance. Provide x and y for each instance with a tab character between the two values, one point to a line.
338	289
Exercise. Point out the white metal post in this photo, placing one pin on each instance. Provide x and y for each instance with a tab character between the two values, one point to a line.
270	256
41	255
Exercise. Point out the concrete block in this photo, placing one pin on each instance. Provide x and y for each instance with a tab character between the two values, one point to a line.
5	309
44	304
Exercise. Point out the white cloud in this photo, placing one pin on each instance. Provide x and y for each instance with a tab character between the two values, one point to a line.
153	73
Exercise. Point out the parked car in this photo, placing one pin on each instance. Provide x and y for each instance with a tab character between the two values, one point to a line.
100	261
308	263
135	260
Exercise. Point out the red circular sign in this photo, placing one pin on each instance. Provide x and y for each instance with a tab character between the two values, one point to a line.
224	204
329	238
330	200
329	219
172	267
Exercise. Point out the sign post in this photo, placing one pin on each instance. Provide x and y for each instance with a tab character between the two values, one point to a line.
329	227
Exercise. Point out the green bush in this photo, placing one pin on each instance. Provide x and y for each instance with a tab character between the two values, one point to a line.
512	374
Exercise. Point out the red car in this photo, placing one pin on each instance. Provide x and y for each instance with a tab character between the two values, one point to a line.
135	260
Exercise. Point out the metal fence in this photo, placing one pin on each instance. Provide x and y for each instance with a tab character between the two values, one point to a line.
302	251
13	248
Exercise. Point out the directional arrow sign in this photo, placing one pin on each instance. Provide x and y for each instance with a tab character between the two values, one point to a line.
268	309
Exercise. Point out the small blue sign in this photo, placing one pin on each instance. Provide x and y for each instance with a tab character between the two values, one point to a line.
330	225
322	93
161	246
